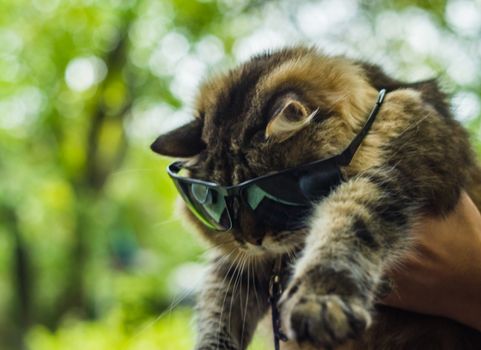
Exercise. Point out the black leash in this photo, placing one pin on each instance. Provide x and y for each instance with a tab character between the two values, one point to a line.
275	291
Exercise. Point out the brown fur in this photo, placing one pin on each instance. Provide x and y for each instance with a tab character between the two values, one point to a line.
415	160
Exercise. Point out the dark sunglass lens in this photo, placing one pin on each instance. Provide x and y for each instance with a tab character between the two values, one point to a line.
283	188
254	196
285	201
319	184
275	212
200	193
281	216
184	190
207	204
214	205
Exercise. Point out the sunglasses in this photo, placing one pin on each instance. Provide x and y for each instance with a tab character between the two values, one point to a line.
281	200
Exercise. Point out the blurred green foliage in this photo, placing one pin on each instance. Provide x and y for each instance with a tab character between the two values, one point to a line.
168	333
110	332
91	253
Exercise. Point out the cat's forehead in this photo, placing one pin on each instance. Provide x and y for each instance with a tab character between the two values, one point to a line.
225	98
235	107
244	76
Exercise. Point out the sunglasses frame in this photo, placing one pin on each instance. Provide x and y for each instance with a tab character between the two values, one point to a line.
342	159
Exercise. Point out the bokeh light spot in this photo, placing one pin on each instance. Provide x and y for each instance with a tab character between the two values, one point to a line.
84	72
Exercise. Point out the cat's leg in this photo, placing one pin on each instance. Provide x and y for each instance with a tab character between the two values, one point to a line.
232	301
354	233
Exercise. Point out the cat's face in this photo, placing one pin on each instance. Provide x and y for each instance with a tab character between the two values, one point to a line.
276	111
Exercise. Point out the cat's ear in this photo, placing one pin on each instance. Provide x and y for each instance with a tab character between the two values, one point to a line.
292	116
182	142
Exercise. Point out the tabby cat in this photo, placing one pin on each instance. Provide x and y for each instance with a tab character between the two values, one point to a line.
281	110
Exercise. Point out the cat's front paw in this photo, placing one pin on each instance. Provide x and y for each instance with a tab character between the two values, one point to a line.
322	320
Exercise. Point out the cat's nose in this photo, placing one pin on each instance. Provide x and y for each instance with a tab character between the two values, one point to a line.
252	231
254	240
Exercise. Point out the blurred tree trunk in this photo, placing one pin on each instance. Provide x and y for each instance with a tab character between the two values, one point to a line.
21	277
97	172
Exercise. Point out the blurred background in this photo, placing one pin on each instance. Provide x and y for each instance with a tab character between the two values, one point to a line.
91	253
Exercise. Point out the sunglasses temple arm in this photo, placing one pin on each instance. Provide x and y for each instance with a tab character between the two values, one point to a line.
346	156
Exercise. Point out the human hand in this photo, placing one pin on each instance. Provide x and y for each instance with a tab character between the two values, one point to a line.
442	274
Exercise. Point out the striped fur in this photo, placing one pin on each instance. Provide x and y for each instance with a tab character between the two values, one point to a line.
414	161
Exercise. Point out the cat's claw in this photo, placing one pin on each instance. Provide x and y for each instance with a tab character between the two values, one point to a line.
323	320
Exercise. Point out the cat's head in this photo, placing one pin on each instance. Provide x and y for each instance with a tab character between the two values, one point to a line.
278	110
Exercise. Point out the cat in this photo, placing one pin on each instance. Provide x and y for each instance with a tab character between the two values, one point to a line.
289	107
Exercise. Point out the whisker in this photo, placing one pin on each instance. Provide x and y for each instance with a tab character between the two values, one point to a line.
237	282
165	222
215	246
178	299
247	301
254	281
234	263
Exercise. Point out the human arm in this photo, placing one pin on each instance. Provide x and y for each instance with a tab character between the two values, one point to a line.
442	274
